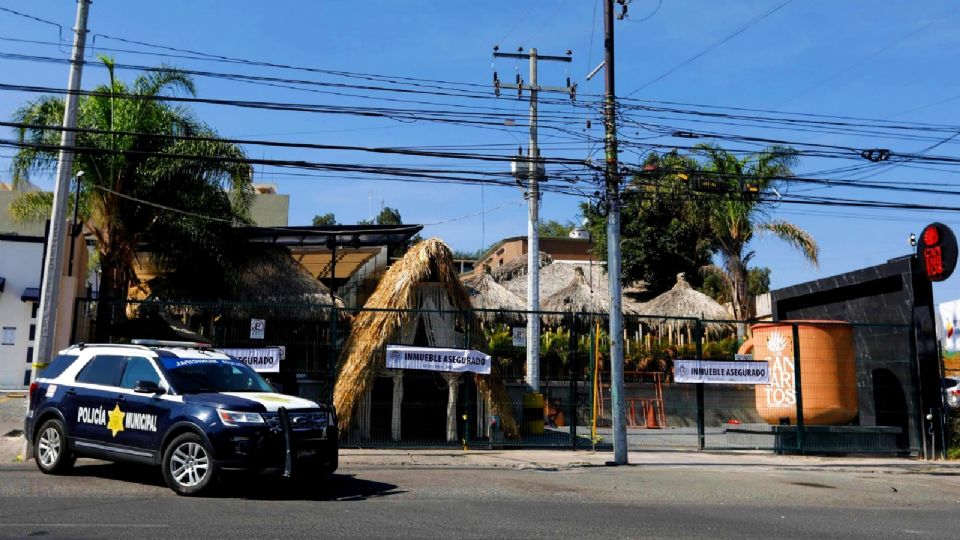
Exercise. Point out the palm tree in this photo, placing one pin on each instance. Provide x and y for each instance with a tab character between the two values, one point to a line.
127	140
743	208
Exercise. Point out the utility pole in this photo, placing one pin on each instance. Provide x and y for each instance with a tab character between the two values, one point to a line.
53	265
617	389
535	171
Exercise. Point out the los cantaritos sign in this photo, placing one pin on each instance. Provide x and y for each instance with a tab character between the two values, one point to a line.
438	359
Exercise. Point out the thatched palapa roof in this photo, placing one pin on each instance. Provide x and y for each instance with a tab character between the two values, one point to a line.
486	293
577	296
426	278
683	301
516	267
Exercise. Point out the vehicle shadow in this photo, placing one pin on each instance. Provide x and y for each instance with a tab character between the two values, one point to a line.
270	485
333	487
125	472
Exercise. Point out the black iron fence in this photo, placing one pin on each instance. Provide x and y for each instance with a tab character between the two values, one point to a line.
834	387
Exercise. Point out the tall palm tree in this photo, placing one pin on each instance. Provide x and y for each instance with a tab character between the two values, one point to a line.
130	157
743	209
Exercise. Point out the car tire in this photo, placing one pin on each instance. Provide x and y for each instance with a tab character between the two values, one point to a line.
332	460
51	451
188	466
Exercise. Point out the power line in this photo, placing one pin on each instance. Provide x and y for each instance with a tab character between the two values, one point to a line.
730	36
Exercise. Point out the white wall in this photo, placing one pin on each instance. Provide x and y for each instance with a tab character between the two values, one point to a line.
20	263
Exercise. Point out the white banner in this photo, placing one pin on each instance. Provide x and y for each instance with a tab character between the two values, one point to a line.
436	359
713	372
261	360
949	333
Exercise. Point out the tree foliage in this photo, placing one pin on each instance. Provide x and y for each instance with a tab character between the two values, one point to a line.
743	209
129	176
663	228
324	220
554	229
391	216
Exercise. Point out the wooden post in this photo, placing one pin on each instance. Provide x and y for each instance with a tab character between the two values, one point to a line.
453	385
395	431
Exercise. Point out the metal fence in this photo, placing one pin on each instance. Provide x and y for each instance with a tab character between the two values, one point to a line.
835	388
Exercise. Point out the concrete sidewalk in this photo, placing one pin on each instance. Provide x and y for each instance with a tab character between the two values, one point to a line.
13	406
539	459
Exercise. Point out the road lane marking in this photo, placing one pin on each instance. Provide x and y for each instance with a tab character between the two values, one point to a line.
88	525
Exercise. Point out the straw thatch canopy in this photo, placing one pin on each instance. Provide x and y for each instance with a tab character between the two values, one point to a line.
486	293
555	276
274	275
582	280
426	278
683	301
516	267
577	296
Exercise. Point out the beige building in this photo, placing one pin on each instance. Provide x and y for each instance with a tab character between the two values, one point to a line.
269	209
559	249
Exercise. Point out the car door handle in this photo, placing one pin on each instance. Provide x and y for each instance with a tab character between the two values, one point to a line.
121	397
72	392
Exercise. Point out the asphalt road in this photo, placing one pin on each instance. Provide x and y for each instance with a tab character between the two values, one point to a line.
108	500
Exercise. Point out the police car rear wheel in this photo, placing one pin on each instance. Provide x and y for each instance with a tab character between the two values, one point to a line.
187	465
52	455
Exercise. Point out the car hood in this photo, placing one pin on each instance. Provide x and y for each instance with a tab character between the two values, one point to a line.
250	401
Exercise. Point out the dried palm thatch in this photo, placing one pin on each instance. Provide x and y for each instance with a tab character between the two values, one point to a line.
577	296
574	286
683	301
486	293
517	267
273	275
427	270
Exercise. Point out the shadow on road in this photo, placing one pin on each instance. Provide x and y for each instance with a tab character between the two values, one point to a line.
334	487
270	485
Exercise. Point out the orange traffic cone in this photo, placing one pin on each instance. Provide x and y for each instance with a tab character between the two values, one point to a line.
650	415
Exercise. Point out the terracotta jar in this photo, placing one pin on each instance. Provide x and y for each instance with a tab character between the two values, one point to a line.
828	372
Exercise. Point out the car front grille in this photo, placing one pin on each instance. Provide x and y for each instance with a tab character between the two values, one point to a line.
299	421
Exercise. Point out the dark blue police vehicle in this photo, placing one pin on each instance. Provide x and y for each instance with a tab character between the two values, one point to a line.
192	410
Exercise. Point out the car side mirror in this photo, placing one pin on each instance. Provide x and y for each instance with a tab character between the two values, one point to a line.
148	387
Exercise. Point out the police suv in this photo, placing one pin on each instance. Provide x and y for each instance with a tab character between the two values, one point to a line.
192	410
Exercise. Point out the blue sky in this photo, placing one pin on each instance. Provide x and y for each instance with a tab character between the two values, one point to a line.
888	60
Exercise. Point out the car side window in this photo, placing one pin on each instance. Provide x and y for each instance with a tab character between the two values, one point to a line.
102	369
58	366
138	368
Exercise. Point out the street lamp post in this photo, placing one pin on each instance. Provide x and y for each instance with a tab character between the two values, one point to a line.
75	227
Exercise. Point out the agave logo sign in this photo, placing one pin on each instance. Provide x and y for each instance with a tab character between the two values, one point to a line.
782	390
776	342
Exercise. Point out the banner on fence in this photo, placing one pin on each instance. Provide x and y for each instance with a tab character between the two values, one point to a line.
714	372
265	360
437	359
949	330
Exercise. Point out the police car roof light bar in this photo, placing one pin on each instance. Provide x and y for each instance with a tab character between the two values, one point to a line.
165	343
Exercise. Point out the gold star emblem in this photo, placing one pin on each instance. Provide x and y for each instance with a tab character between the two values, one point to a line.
115	425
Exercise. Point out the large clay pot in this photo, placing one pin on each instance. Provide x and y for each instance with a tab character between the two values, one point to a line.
828	372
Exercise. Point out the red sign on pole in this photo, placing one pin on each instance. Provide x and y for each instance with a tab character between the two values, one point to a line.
937	251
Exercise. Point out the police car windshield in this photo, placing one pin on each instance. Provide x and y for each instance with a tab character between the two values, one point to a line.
201	375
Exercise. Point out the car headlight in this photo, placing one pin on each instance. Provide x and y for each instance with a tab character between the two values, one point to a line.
236	418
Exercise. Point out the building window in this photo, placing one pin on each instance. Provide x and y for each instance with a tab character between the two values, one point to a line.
29	355
26	378
34	309
9	335
33	332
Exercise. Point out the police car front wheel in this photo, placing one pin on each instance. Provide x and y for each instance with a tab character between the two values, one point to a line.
188	466
51	451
